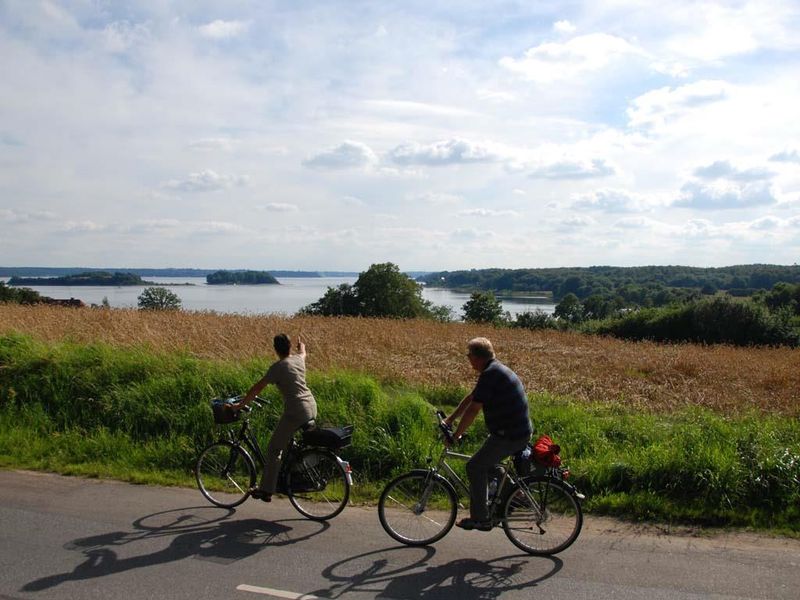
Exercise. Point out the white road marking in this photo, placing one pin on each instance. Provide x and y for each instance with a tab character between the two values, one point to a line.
276	593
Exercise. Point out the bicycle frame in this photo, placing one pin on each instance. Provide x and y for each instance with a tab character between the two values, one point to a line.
508	479
245	437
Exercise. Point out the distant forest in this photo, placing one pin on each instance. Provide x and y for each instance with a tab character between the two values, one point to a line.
652	285
88	278
172	272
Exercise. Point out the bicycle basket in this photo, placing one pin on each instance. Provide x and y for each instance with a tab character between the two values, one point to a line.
329	437
223	411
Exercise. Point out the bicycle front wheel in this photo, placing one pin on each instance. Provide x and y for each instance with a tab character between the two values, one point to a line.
224	474
417	508
541	517
317	485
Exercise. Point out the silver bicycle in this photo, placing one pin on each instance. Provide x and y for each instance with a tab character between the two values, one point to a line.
539	512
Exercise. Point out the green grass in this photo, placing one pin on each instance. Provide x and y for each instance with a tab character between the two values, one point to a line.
141	416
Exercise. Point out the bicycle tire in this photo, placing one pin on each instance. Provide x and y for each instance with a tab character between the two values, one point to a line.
418	508
317	485
544	523
225	473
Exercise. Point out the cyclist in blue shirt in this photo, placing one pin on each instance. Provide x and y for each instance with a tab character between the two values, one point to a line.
501	396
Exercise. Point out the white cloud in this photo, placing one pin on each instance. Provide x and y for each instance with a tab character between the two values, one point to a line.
725	195
410	108
347	155
471	235
658	107
16	216
280	207
576	222
487	212
441	153
214	227
564	27
638	223
436	198
767	223
553	61
121	36
151	226
790	156
573	169
85	226
614	201
206	181
213	143
221	30
723	169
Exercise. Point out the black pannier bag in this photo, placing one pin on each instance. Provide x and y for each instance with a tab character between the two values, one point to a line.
329	437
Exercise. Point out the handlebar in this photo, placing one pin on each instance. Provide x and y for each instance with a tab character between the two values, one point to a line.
258	402
446	430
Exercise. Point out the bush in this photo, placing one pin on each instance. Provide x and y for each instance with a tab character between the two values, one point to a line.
537	319
716	320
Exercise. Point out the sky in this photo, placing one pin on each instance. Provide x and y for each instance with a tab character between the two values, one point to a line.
332	135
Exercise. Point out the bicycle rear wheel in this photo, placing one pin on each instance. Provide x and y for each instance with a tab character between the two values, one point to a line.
317	485
543	521
224	474
417	508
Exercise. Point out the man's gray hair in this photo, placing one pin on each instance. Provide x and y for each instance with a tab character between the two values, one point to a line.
480	347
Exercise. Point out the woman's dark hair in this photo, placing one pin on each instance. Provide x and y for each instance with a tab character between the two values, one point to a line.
282	344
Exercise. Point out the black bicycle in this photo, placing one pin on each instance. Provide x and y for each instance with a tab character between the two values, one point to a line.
316	481
540	512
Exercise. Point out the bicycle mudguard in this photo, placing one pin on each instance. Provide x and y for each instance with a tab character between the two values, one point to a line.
571	489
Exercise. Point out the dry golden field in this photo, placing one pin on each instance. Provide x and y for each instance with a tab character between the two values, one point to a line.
640	374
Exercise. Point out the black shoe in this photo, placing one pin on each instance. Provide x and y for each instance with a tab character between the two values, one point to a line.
260	494
470	524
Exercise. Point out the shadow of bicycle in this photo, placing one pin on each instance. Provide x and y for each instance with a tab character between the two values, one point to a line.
196	532
406	573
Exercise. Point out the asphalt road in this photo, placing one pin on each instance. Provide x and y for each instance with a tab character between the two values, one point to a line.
71	538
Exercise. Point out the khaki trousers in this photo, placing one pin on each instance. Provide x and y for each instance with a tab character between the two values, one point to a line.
291	420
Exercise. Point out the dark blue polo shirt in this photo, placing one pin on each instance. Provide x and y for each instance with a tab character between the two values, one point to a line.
505	405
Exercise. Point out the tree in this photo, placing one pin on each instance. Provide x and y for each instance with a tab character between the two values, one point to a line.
380	291
159	298
483	307
570	309
383	291
337	302
18	295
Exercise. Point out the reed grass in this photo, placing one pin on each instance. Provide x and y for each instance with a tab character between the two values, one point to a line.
642	375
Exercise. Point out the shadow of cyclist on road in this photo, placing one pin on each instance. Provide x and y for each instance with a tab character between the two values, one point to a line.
217	540
467	579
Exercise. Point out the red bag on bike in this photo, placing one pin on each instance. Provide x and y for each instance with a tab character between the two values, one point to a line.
545	452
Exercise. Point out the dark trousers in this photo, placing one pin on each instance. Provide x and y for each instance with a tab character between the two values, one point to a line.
484	464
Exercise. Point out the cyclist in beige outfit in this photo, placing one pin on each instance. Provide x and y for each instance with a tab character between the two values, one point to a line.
299	407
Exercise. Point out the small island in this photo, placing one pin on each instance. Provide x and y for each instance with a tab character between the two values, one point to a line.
94	278
240	278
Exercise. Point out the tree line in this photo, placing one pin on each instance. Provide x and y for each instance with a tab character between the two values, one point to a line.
767	317
650	285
